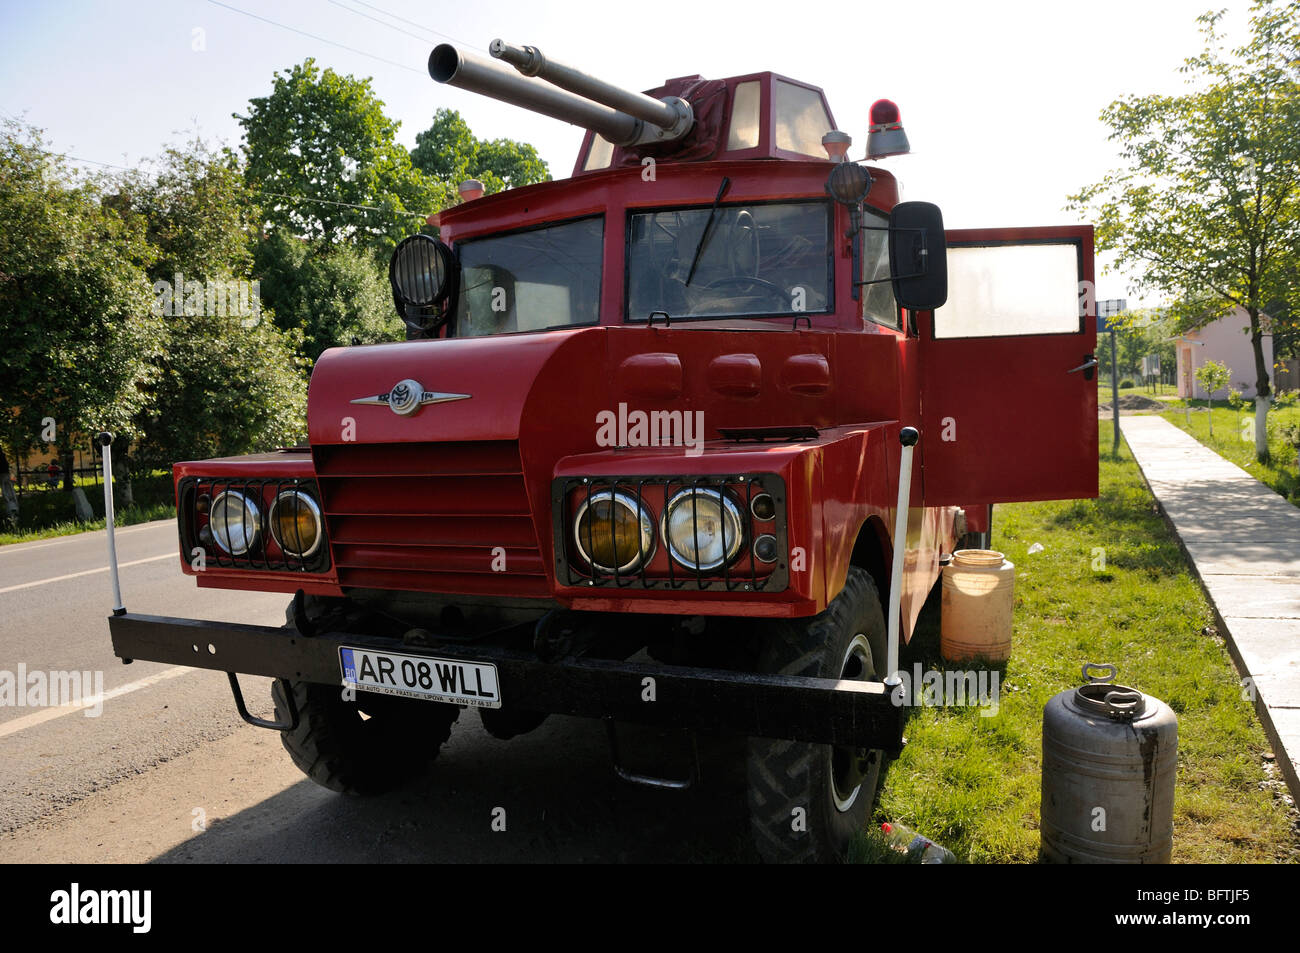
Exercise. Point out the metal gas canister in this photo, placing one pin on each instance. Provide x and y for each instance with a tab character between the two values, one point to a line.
1110	757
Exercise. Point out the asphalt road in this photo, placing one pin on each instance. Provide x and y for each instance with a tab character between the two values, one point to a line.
167	772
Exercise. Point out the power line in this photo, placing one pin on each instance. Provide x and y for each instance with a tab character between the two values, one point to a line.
426	29
319	39
372	208
382	23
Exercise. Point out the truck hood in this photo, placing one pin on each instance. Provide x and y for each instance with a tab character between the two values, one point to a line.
474	389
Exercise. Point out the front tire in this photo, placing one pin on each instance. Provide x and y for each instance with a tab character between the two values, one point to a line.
807	801
339	749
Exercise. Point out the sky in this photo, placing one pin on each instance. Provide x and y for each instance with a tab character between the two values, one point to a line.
1000	99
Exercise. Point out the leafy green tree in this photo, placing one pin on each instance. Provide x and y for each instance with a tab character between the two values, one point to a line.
225	389
199	213
1141	331
329	295
326	163
75	310
1213	376
1207	204
229	381
449	152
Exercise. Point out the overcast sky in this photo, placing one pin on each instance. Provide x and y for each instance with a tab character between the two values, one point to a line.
1000	99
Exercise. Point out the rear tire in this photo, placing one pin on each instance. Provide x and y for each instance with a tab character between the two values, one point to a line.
341	750
807	801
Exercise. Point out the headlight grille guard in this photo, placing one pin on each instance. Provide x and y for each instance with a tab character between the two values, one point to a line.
744	574
267	555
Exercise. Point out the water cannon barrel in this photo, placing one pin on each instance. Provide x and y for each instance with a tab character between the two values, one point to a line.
478	74
669	115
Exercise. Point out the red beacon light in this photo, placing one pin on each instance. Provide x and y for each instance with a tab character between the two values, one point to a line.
886	136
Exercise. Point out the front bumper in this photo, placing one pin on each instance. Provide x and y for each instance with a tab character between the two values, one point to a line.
815	710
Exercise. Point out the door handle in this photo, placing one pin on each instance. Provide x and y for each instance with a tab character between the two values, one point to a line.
1089	362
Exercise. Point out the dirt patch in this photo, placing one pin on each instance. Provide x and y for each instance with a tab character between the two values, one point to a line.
1136	402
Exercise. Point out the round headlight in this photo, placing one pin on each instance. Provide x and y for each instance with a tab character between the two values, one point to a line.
702	528
235	522
848	183
420	271
296	523
613	533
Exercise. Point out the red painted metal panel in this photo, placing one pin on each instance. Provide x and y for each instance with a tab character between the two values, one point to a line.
1002	418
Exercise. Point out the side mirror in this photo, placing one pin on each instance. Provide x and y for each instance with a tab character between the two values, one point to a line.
918	256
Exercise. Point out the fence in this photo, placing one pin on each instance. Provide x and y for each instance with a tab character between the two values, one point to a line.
1286	374
85	464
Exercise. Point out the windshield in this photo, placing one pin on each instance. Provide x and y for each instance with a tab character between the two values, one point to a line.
760	259
530	281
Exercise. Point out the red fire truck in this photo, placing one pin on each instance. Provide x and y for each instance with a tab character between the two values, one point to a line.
649	452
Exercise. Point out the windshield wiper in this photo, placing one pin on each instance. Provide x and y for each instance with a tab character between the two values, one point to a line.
704	236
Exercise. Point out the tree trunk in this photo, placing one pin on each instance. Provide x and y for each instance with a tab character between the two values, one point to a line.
1262	390
68	462
122	474
7	491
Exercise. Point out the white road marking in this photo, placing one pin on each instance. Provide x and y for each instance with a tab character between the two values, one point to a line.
87	572
39	717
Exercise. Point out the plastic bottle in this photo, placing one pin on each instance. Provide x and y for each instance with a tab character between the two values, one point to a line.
909	842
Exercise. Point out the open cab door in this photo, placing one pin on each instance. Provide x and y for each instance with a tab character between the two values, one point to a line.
1008	372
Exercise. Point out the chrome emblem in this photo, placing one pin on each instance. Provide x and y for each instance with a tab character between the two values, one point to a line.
408	396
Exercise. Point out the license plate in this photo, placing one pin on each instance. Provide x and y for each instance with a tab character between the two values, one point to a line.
418	676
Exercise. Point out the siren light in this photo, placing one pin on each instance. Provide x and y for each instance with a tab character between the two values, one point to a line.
886	136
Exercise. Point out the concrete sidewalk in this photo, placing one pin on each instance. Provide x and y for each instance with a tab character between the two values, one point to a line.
1243	541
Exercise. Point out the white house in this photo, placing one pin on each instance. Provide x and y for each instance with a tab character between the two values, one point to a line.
1227	340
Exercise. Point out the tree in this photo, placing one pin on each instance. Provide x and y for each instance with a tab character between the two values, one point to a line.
228	381
1207	205
328	295
449	152
226	389
75	311
199	213
1213	376
327	165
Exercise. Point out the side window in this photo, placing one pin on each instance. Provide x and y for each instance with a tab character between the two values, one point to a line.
601	154
873	251
744	117
801	119
1004	290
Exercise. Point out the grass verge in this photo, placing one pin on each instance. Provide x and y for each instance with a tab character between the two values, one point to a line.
1233	440
45	513
971	783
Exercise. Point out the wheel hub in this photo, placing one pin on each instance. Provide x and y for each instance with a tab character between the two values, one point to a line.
848	767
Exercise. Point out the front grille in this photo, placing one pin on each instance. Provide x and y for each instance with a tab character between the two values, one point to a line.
436	517
660	570
266	554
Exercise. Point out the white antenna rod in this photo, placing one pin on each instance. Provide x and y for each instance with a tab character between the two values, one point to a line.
106	441
908	437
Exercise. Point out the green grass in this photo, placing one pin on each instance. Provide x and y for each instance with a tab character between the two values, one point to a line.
971	783
1163	392
1280	473
45	513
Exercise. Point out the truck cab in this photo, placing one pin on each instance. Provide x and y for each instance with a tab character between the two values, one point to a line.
682	439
